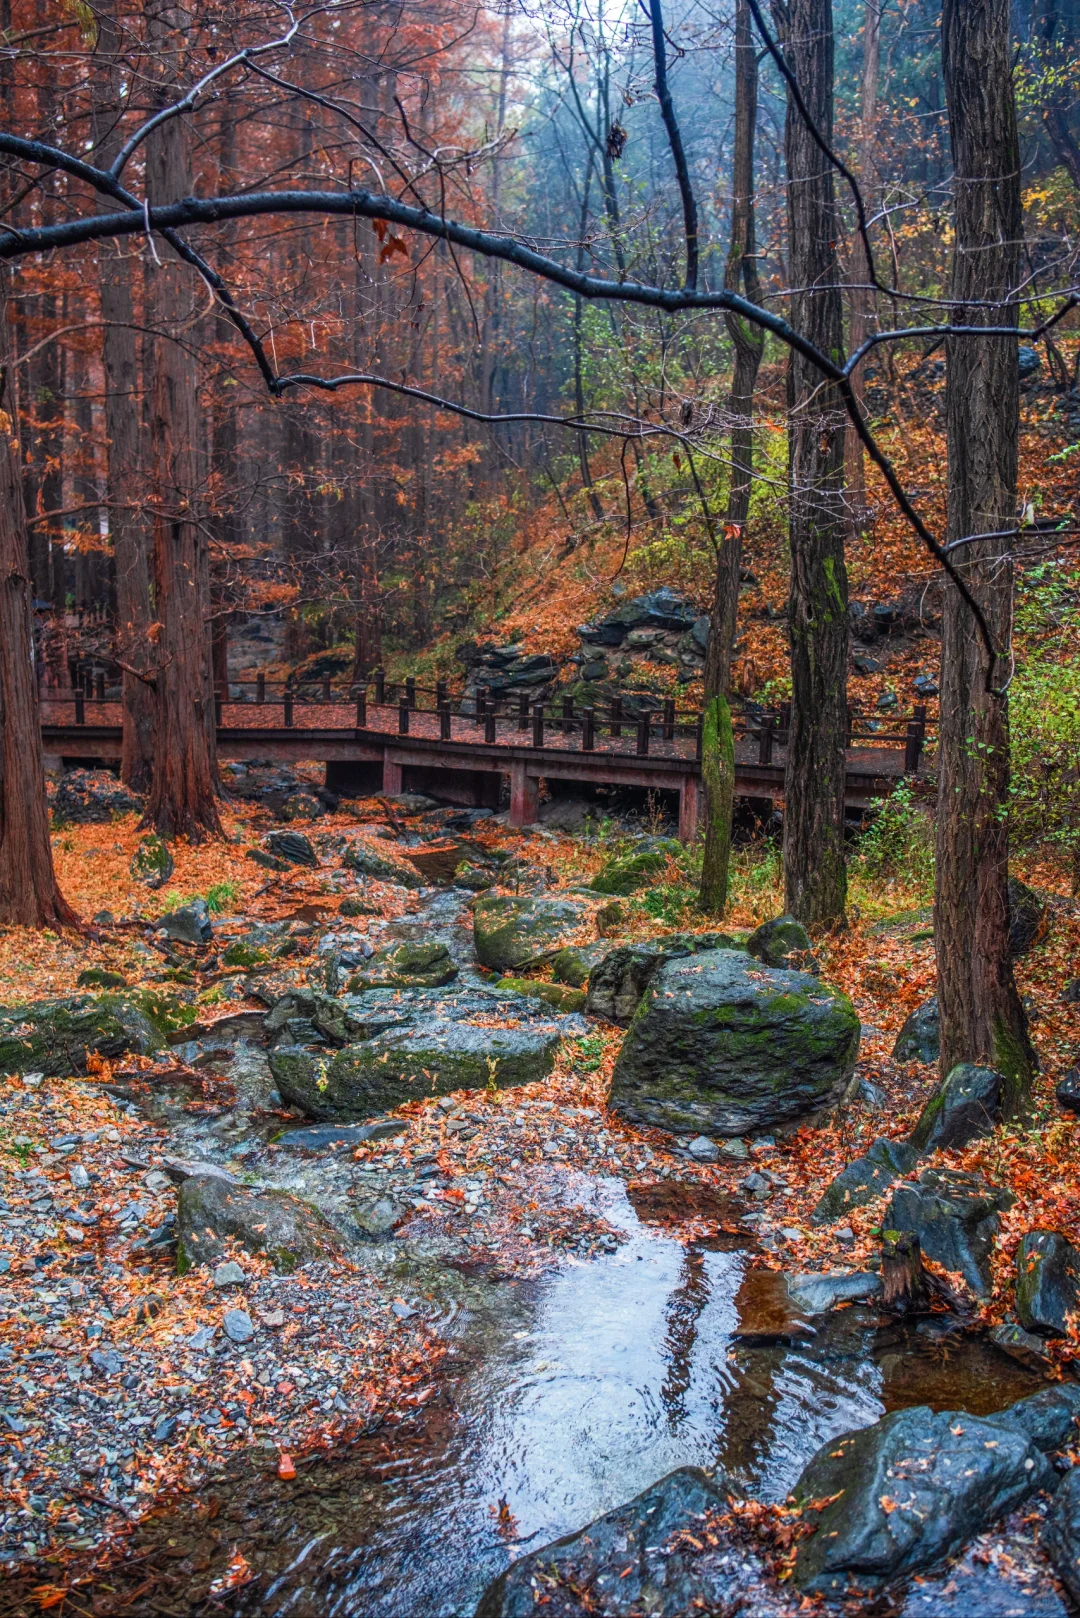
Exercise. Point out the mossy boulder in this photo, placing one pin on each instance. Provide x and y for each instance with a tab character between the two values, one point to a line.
303	1016
406	966
774	942
864	1179
212	1210
99	977
509	931
151	863
619	979
406	1064
723	1046
359	856
553	994
629	872
574	964
1047	1283
919	1039
966	1104
56	1036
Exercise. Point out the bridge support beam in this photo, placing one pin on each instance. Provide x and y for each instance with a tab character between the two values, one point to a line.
391	776
690	796
524	796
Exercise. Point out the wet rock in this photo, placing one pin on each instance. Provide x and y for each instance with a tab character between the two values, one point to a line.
817	1294
629	872
574	964
96	977
1048	1418
151	863
292	846
1027	917
509	932
404	1064
767	1314
723	1046
660	609
210	1211
552	994
898	1496
92	797
303	1015
1020	1345
1047	1283
379	1214
229	1275
238	1326
624	1563
269	862
361	857
775	941
918	1040
1061	1534
55	1037
190	924
704	1150
964	1106
300	806
1068	1091
476	878
568	814
223	1030
864	1179
955	1217
610	919
406	966
618	981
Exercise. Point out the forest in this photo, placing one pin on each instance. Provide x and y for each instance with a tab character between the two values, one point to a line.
540	808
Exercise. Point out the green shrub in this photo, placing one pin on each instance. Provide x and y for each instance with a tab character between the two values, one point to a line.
1044	711
899	841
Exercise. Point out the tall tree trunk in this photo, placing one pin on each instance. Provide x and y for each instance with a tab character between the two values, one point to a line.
981	1015
718	741
29	895
123	428
183	795
815	875
861	300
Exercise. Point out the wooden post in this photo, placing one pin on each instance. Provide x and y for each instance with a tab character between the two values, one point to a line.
588	739
567	715
403	717
643	729
260	689
903	1278
524	795
391	776
669	719
217	707
288	706
441	698
523	711
538	724
489	722
850	725
785	723
698	730
444	723
380	685
410	691
616	716
361	706
326	688
912	747
80	706
689	808
99	687
765	739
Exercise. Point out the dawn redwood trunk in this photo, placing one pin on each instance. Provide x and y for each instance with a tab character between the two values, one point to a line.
29	895
183	794
123	426
815	875
740	275
981	1015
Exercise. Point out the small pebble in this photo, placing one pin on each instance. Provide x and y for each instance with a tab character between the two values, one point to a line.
238	1327
229	1275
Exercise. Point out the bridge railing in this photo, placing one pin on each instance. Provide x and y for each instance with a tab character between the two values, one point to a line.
631	722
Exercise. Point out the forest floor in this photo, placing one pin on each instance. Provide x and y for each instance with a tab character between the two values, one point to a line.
119	1388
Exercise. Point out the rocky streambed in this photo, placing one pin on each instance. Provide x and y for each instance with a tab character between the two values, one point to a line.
362	1295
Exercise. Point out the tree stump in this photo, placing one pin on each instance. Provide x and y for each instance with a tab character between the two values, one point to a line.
904	1281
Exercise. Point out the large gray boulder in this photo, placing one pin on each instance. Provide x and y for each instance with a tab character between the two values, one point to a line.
56	1036
1047	1283
210	1210
624	1563
405	966
864	1179
1061	1535
775	941
723	1046
896	1497
955	1217
509	932
965	1105
436	1057
190	924
919	1038
618	981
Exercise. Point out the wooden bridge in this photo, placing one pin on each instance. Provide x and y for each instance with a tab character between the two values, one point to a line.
388	738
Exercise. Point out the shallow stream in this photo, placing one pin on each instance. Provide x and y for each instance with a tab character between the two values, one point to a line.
560	1399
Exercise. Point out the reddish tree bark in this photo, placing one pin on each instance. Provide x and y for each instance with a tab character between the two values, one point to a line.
29	894
982	1019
